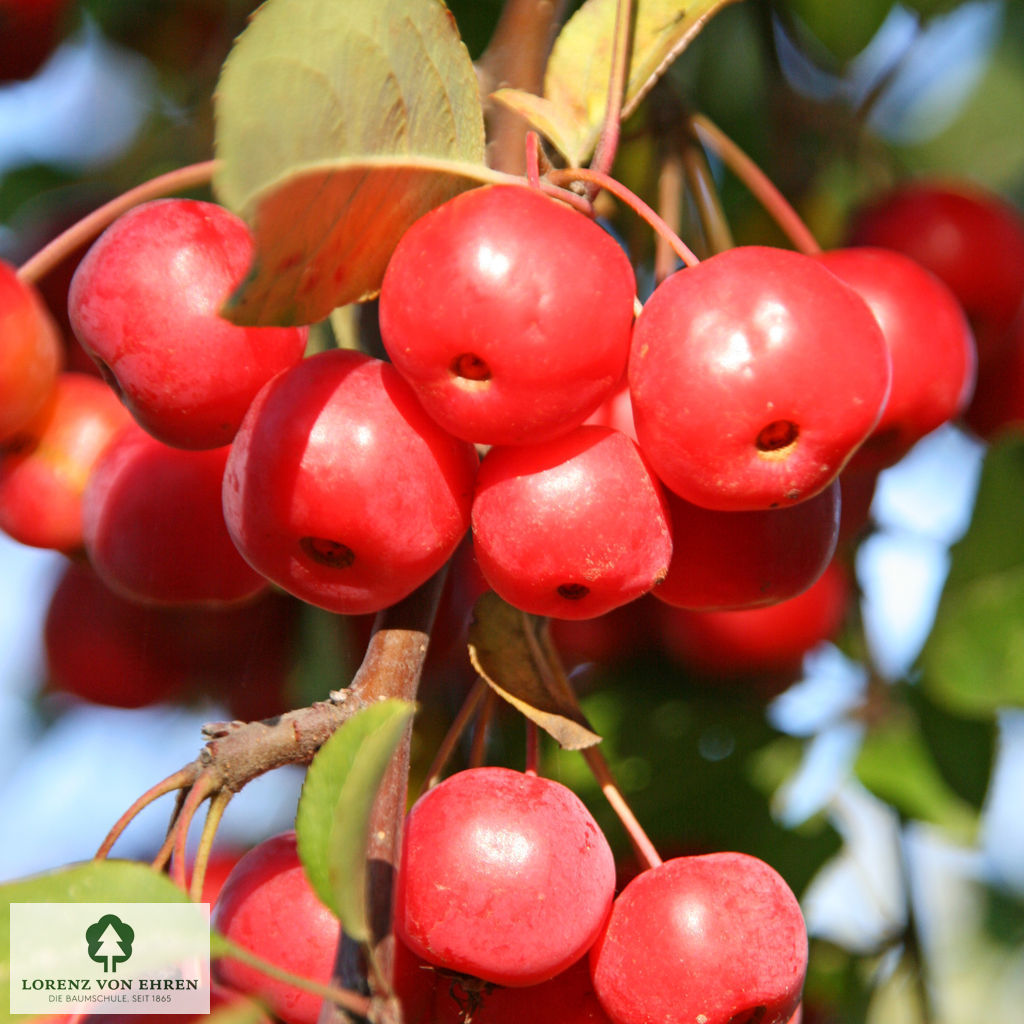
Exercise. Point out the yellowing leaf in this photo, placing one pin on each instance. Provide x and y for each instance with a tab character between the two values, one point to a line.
560	130
576	83
332	116
511	651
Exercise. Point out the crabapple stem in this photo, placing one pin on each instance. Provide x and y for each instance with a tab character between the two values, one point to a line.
533	159
92	224
354	1002
670	189
477	692
760	185
218	804
532	748
638	837
567	196
205	786
705	195
478	751
634	202
182	777
611	127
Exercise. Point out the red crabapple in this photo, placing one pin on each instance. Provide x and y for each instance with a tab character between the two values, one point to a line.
341	490
145	302
106	649
103	648
754	377
267	906
572	527
729	560
509	313
30	354
717	938
930	342
771	640
154	528
998	402
505	876
430	996
970	238
41	483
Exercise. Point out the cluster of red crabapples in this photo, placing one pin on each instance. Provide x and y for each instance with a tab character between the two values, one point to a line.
505	910
750	380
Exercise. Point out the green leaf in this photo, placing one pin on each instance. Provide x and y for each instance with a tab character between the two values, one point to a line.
895	764
95	881
338	124
844	29
576	82
512	652
333	817
974	658
963	749
100	881
691	761
995	539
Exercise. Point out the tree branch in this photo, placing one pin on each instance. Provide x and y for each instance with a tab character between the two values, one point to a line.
516	58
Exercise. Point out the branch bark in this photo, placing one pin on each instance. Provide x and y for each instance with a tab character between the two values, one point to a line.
516	58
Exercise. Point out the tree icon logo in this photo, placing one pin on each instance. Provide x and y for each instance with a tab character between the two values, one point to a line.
110	942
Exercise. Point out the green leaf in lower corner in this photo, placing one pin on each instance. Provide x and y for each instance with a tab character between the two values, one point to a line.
99	881
895	764
328	115
95	881
333	818
576	82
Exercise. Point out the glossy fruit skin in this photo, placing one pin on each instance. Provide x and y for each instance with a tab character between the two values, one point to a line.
153	526
717	938
30	355
145	304
503	875
509	313
341	489
41	483
616	411
970	238
267	906
573	527
730	560
930	341
770	641
754	377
